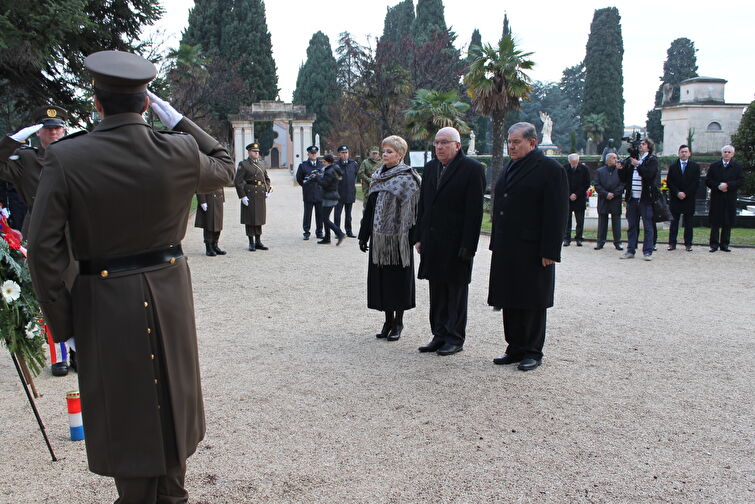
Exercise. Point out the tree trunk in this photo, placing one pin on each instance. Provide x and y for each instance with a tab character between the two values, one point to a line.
497	158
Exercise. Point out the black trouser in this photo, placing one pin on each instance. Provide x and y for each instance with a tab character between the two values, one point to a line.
253	230
211	236
347	218
615	227
307	221
329	224
165	489
525	332
723	242
579	214
448	311
688	229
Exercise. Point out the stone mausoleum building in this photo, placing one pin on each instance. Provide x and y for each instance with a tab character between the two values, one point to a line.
701	110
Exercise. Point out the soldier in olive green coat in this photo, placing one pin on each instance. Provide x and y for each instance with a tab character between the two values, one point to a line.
367	168
210	218
252	185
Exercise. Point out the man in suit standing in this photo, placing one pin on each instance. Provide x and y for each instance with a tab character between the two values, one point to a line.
347	189
609	188
682	180
449	215
530	205
311	191
724	178
579	182
131	307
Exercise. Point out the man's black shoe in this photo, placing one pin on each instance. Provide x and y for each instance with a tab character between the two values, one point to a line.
323	241
528	364
306	237
688	248
566	243
72	360
351	235
450	349
599	247
712	249
579	244
340	240
618	247
320	236
59	369
505	359
727	249
431	347
671	247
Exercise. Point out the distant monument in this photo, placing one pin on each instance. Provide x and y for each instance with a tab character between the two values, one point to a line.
607	150
471	150
547	144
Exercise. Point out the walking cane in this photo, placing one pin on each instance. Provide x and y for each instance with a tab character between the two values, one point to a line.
33	407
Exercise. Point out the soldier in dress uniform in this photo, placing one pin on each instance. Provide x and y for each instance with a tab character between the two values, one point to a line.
124	190
346	189
252	185
311	191
210	218
367	168
21	165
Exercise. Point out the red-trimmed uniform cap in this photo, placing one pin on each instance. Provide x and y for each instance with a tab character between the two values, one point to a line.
120	72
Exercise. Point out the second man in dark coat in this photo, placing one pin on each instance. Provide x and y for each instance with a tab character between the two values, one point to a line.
579	182
347	189
682	179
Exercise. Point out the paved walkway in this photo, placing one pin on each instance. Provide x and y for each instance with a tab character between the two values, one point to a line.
645	394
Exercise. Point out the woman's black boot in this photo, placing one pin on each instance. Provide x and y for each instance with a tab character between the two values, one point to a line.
397	327
386	325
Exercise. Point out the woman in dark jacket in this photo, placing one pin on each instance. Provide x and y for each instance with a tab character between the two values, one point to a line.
329	180
388	218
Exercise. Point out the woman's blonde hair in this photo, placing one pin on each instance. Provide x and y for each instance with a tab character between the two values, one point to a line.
398	144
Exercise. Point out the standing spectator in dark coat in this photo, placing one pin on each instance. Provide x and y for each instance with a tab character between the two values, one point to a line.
609	188
347	188
682	180
579	182
389	216
311	191
638	176
529	215
724	178
329	179
447	232
209	217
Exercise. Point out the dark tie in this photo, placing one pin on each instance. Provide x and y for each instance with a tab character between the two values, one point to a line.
442	171
684	166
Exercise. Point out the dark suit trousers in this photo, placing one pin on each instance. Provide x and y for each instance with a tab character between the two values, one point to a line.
688	229
579	215
307	222
448	311
723	242
347	216
615	227
525	332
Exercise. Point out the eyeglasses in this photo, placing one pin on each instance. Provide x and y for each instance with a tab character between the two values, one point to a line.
439	143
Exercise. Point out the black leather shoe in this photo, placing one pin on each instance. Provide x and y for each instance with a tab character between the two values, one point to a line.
505	359
384	331
395	333
305	237
528	364
217	249
340	240
671	247
260	245
450	349
566	243
59	369
727	249
688	248
433	346
618	247
599	247
351	235
579	244
320	236
209	251
712	249
323	242
72	360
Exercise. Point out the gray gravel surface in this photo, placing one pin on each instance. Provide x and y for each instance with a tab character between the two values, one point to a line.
645	393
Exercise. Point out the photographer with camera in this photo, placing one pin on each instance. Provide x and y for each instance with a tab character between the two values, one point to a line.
638	173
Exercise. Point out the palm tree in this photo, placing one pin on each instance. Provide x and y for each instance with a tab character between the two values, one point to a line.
595	126
496	83
433	110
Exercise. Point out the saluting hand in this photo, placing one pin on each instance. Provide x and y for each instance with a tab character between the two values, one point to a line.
164	110
24	133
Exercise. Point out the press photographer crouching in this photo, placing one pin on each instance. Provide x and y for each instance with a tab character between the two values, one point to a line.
638	173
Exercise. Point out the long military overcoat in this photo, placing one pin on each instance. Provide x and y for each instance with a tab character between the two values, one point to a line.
21	166
252	181
212	218
126	189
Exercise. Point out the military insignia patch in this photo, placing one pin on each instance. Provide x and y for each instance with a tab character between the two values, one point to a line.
51	112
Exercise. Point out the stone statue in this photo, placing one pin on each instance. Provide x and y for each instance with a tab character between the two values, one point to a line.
547	128
668	92
606	150
471	150
317	141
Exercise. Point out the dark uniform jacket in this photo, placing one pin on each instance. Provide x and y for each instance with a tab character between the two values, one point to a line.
607	181
648	171
579	183
21	166
311	190
347	187
212	218
125	189
723	205
252	181
529	216
449	215
330	180
686	183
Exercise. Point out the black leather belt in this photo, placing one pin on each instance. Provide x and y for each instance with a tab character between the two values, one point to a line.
106	266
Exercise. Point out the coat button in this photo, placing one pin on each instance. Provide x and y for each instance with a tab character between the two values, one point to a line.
505	195
146	304
500	213
149	331
152	356
104	273
155	381
172	260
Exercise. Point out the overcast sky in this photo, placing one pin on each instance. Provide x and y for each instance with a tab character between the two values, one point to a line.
556	31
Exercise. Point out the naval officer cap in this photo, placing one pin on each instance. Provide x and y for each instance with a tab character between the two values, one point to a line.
343	148
50	115
120	72
312	149
253	147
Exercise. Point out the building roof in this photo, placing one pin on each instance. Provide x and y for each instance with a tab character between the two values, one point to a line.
703	79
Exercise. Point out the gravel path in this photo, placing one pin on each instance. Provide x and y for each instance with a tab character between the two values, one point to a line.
645	395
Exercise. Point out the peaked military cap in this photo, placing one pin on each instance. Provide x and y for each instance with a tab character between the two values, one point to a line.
253	146
343	148
50	115
375	148
120	72
312	149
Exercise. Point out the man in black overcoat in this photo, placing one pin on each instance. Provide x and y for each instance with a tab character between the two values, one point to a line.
311	191
579	182
682	180
724	178
530	204
347	189
446	235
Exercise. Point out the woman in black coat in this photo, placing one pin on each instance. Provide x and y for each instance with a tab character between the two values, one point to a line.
329	179
388	218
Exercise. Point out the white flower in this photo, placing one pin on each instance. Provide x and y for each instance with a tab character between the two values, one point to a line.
11	291
5	212
31	330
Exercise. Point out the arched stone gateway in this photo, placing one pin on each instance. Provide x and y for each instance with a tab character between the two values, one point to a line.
292	124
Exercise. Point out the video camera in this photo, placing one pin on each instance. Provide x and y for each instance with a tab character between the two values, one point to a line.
313	175
634	145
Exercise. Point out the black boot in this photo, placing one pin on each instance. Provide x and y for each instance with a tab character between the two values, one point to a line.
397	327
258	243
386	325
210	251
252	247
215	246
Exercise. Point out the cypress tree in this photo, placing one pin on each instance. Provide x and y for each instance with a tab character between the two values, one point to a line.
397	29
506	27
429	22
205	27
316	84
604	77
476	41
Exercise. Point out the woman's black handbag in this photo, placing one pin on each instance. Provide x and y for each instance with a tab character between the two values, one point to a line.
661	211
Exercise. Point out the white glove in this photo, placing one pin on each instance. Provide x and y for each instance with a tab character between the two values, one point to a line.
245	201
71	344
204	206
24	133
164	110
